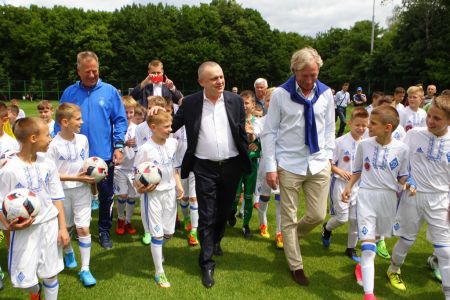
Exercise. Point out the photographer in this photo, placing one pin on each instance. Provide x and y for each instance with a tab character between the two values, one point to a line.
359	98
156	84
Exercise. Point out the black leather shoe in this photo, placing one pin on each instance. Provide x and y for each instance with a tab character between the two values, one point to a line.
217	250
207	278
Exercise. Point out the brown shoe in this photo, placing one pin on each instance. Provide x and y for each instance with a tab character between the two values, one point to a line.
299	277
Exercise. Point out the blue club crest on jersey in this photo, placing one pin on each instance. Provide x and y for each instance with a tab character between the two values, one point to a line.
396	226
393	164
82	154
21	276
364	230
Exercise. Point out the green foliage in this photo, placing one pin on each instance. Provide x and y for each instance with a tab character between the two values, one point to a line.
41	43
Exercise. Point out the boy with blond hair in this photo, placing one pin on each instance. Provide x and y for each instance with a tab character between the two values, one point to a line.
123	174
413	116
380	163
343	157
68	150
35	243
160	200
429	161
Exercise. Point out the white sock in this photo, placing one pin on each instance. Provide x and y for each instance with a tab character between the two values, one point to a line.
129	210
334	223
368	253
255	199
185	208
194	213
277	212
443	255
51	287
121	202
399	252
68	248
143	215
85	250
262	211
157	254
352	236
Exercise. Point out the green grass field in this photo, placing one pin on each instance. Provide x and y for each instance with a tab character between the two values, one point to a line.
249	269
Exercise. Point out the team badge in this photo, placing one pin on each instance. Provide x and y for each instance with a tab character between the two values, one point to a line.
408	127
393	164
346	158
396	226
21	276
157	228
364	230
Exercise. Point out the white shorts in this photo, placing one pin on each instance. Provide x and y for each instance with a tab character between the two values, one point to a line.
262	188
429	207
189	186
77	206
160	212
337	206
375	213
123	183
34	252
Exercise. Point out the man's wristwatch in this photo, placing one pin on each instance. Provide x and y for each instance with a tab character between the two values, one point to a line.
119	146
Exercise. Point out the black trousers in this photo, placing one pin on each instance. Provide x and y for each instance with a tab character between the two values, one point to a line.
215	185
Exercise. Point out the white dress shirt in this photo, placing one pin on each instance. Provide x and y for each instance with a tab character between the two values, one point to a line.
283	138
157	89
215	141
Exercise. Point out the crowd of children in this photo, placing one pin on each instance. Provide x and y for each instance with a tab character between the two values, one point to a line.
390	173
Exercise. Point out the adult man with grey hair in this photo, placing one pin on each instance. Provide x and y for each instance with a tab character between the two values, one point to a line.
431	93
298	143
260	86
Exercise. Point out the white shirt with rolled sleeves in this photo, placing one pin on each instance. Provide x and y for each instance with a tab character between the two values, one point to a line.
283	138
215	141
380	165
429	158
163	156
41	177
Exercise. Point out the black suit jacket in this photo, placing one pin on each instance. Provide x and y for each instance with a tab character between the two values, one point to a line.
190	115
141	95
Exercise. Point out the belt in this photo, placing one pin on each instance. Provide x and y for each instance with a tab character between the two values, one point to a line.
217	163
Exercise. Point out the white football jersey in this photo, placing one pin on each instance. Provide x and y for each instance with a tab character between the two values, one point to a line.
181	137
8	144
142	133
69	156
163	156
41	177
380	166
410	119
344	153
129	152
429	159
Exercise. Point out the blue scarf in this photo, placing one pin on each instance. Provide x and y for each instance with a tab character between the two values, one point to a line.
311	139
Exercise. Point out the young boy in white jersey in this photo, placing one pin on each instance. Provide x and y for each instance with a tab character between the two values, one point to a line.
143	134
343	156
35	243
429	160
8	146
399	133
412	115
68	150
124	173
189	205
380	163
160	201
399	96
263	191
45	109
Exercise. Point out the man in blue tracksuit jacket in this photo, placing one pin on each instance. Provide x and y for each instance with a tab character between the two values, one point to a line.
105	125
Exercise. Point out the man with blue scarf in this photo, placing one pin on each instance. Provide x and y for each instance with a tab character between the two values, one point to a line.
298	143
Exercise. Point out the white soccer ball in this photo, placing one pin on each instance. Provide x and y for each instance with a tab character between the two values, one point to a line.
147	173
95	167
4	157
20	203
